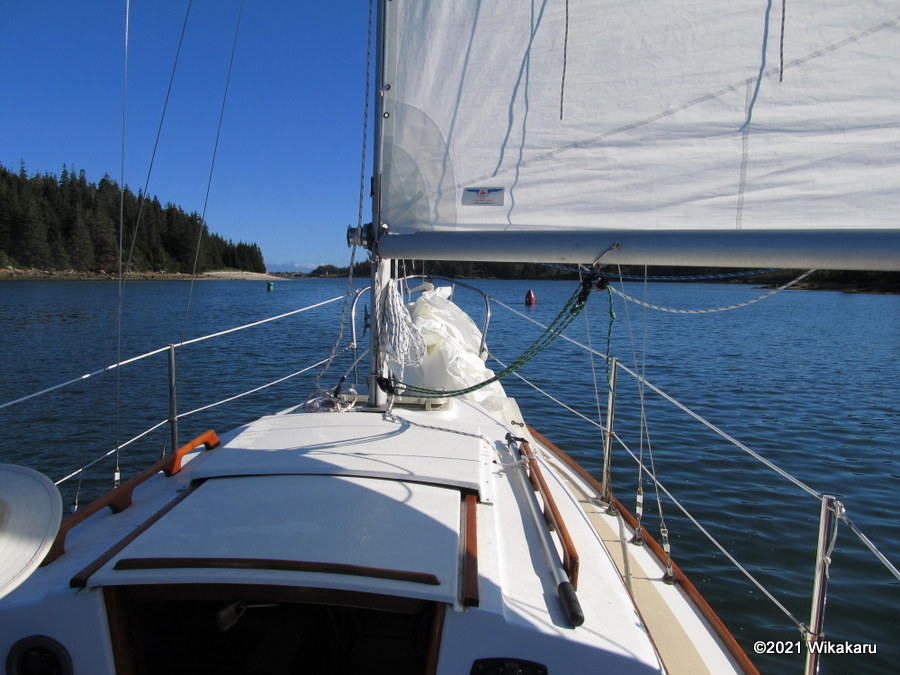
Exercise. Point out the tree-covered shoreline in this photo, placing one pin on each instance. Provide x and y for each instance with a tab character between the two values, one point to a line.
848	281
67	223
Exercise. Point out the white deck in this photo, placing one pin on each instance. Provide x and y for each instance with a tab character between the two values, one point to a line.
364	491
312	519
356	444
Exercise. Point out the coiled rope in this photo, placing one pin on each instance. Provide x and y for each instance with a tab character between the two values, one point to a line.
400	340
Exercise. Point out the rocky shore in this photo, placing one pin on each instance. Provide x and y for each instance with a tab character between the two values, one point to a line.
7	273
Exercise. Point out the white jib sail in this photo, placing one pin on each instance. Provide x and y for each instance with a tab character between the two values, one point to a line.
681	114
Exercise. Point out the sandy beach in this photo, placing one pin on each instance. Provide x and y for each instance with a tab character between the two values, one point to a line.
232	275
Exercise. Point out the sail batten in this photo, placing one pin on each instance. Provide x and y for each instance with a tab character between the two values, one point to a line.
707	118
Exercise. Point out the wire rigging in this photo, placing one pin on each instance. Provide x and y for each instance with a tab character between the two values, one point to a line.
319	390
121	280
142	198
644	434
124	268
212	166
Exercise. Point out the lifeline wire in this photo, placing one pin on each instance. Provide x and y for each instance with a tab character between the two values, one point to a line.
164	349
79	472
651	472
712	427
677	503
842	515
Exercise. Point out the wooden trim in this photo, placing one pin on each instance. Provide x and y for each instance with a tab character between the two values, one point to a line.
277	565
119	499
438	612
470	597
80	580
552	515
735	649
118	620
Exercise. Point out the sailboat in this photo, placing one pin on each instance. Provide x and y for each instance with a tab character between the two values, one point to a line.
424	526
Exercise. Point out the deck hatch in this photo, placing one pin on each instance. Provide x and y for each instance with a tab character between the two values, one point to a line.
360	534
355	445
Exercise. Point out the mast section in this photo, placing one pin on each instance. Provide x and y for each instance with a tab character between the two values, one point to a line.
381	268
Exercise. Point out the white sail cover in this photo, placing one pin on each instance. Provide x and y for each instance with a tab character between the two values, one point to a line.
653	114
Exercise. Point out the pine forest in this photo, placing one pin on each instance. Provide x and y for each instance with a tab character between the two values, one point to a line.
67	223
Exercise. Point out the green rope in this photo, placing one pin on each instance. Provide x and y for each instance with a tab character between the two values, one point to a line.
570	310
612	319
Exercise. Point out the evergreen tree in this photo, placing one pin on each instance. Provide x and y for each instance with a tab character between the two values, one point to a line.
67	222
105	243
34	251
78	243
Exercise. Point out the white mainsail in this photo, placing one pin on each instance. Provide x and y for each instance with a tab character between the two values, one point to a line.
677	115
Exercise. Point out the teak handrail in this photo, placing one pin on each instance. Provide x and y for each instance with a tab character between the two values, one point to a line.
470	593
272	564
552	514
681	578
119	499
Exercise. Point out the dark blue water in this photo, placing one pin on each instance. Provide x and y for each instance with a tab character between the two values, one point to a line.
807	379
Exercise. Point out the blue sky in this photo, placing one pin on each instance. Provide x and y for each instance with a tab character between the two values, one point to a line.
288	165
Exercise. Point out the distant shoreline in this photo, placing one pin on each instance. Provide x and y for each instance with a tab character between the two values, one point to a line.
11	274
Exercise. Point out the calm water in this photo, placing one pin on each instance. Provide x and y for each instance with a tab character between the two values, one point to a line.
807	379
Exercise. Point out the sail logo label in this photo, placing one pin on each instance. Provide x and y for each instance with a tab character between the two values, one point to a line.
483	196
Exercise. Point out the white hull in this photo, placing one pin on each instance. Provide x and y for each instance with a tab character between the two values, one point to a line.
300	511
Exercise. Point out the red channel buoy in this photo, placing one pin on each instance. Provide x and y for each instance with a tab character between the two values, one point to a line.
529	298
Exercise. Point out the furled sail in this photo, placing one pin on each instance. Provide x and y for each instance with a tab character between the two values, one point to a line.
551	115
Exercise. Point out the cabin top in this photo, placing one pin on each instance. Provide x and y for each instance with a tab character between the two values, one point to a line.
342	498
410	447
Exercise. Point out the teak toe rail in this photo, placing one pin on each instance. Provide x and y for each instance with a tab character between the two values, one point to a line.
119	499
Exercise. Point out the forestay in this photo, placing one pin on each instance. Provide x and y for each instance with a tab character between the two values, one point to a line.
534	115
